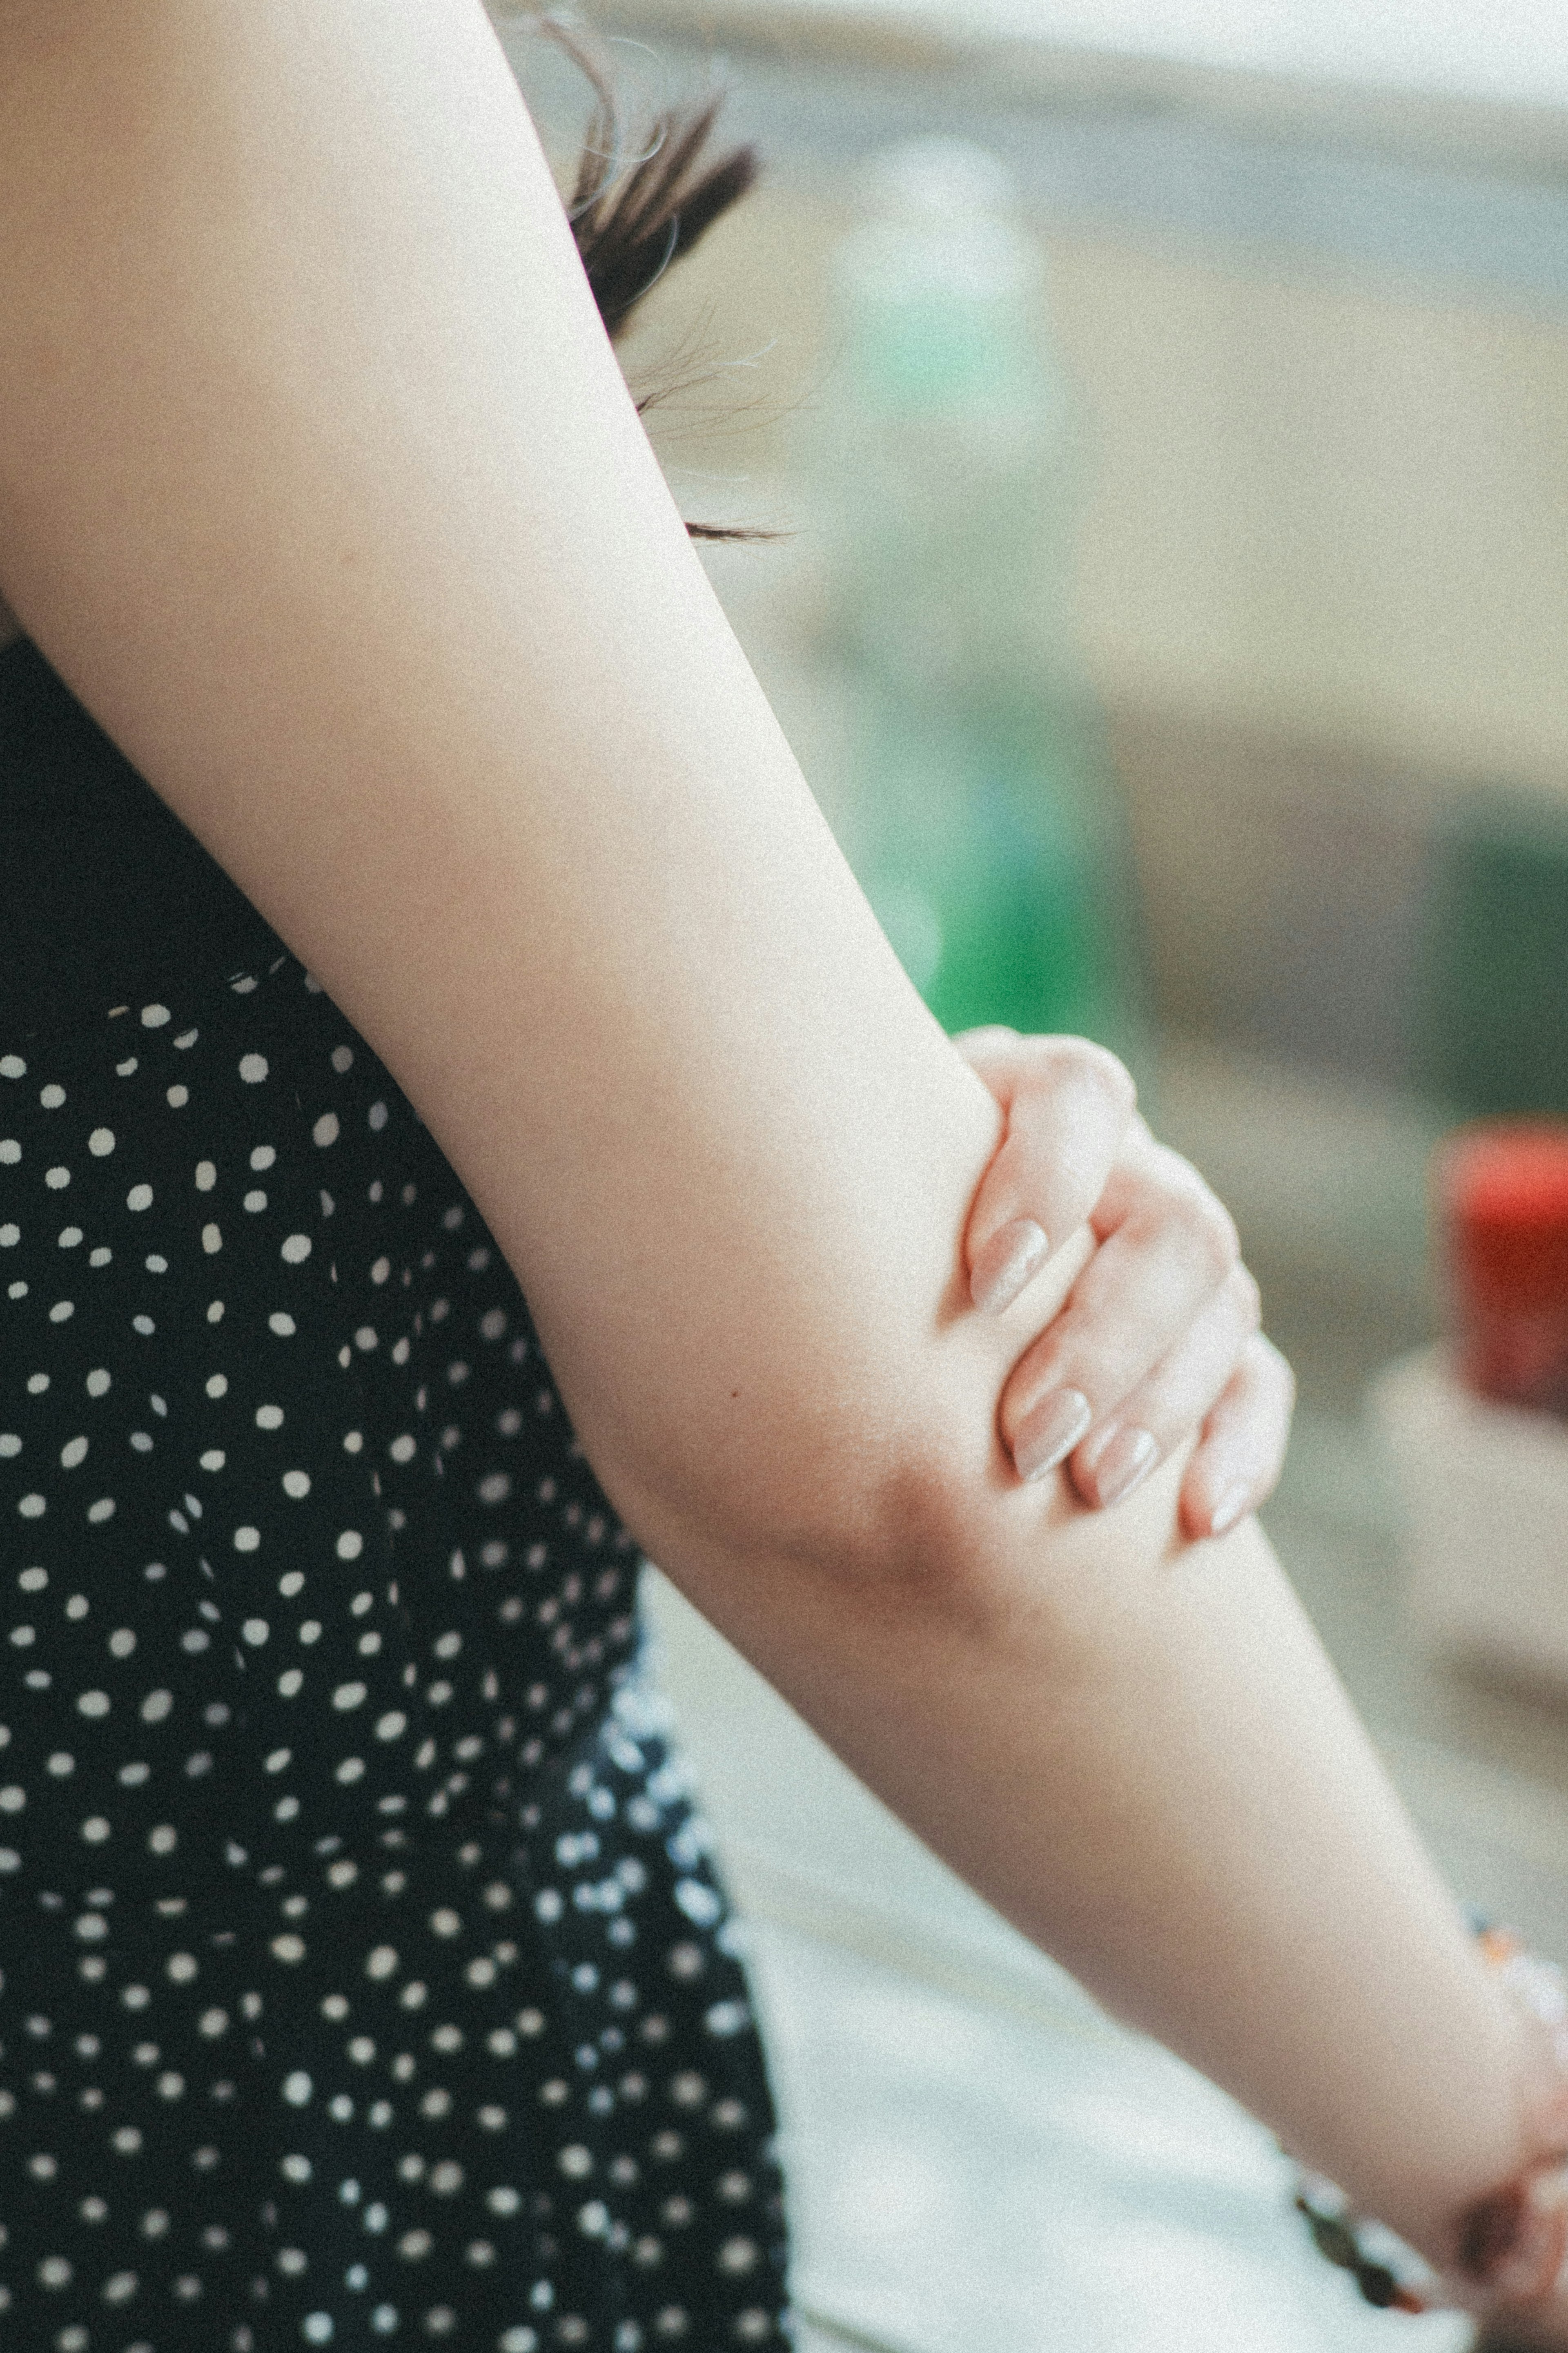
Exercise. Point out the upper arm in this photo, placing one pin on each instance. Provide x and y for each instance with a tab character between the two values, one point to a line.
319	482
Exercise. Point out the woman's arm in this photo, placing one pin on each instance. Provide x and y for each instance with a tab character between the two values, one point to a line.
319	482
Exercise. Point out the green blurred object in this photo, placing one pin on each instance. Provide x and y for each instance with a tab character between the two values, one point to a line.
1494	997
982	815
1000	881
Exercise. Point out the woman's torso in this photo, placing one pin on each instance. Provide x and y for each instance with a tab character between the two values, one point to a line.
324	1777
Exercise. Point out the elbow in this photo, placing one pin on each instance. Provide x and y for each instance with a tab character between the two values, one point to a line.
874	1520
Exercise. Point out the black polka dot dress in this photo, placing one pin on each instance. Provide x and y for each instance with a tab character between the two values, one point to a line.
363	1980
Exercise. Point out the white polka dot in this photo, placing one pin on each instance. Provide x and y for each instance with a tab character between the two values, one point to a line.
253	1068
317	2328
11	1066
101	1143
297	1483
32	1507
254	1201
288	1948
51	1097
73	1453
206	1175
56	1179
269	1417
156	1706
296	1249
122	1643
177	1098
255	1630
349	1695
139	1198
153	1016
342	1059
350	1544
9	1237
246	1539
326	1129
296	2087
93	1703
214	1458
212	1239
10	1152
217	1384
387	1728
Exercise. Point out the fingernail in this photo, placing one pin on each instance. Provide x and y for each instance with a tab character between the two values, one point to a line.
1130	1455
1009	1260
1049	1433
1229	1508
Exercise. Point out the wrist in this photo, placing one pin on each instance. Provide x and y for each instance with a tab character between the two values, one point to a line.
1502	2255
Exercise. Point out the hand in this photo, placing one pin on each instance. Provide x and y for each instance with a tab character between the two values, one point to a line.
1159	1335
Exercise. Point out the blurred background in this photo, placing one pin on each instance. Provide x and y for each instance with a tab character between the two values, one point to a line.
1170	616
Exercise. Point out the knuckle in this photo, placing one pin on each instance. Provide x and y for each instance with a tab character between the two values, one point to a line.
1205	1228
1225	1240
1248	1298
1282	1371
1113	1076
1085	1063
992	1039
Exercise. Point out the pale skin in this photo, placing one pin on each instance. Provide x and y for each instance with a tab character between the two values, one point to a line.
319	482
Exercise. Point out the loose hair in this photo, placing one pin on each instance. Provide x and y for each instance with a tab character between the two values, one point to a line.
631	224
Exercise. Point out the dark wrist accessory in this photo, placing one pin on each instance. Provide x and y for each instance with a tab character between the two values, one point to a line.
1513	2239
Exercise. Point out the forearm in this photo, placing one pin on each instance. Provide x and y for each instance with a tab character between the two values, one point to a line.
1139	1753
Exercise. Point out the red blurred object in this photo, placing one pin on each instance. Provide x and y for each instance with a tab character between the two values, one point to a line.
1501	1195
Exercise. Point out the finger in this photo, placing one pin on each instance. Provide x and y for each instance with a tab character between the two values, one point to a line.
1242	1450
1140	1294
1169	1409
1069	1104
